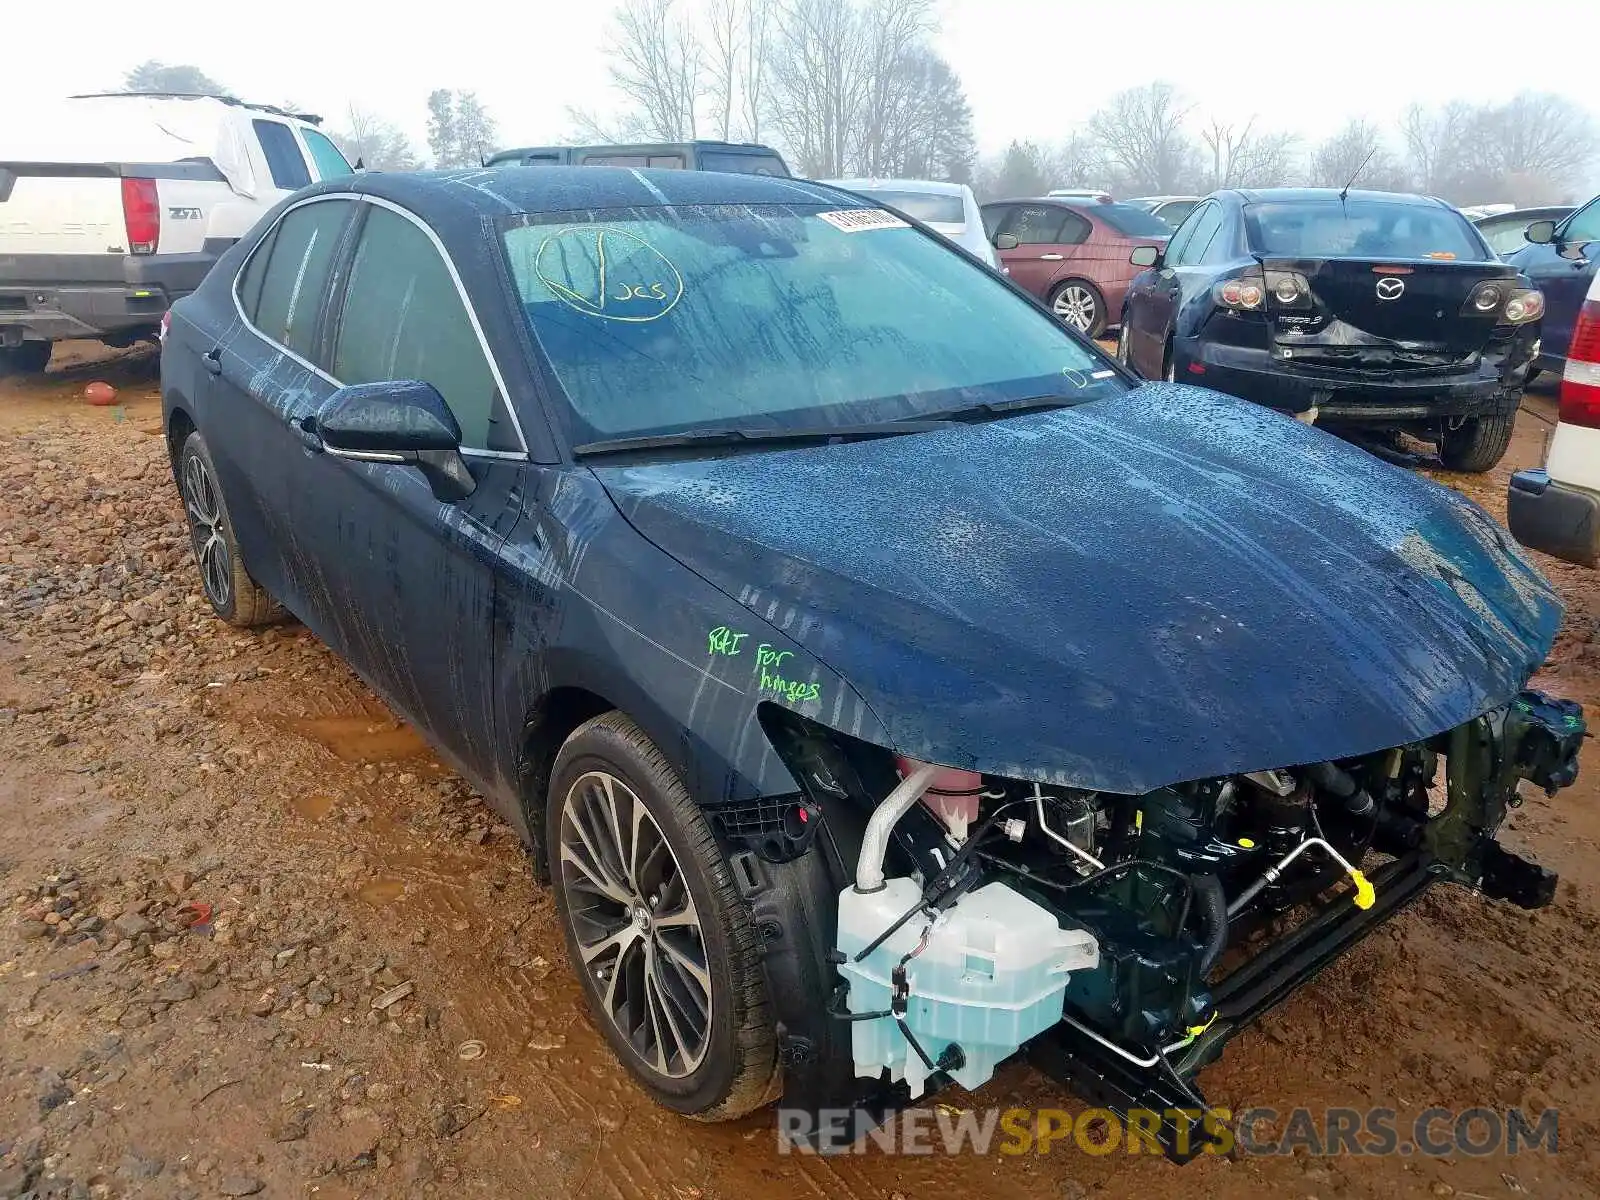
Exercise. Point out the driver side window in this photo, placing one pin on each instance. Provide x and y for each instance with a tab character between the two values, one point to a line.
1584	225
1203	224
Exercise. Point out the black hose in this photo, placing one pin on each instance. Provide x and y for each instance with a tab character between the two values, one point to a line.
1330	777
1213	905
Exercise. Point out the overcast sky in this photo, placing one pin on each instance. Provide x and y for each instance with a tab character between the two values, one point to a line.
1032	68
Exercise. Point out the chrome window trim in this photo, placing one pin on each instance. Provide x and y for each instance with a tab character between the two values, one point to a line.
455	277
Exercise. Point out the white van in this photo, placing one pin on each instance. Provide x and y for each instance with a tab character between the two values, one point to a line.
1557	508
112	207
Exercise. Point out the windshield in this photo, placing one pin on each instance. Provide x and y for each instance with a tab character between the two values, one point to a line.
1360	229
1134	222
742	164
662	320
930	207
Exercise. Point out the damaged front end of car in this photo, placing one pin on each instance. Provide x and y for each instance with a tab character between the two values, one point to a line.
954	918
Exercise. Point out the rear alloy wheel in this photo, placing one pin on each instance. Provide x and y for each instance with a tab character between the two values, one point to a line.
30	358
665	949
234	596
1078	305
1478	443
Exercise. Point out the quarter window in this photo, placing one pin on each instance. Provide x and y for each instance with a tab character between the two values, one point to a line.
404	319
284	160
294	275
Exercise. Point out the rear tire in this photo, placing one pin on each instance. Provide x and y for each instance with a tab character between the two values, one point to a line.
30	358
235	597
661	941
1478	444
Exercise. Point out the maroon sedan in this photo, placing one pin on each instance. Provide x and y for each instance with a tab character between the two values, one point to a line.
1073	254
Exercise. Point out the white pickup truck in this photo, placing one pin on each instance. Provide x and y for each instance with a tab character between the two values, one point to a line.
112	207
1557	508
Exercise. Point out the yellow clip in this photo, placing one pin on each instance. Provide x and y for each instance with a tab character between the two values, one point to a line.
1195	1031
1365	892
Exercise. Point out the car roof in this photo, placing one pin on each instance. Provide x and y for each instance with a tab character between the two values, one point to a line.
445	196
933	187
623	147
1160	199
229	101
1307	195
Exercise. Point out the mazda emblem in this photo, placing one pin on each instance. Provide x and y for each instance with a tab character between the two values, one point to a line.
1391	288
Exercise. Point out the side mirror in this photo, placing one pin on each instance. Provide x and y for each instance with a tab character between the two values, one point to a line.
1145	256
406	423
1541	233
1005	241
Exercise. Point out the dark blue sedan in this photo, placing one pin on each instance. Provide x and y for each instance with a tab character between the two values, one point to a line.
1353	309
885	679
1561	257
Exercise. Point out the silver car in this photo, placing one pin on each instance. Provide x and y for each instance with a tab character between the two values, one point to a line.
947	208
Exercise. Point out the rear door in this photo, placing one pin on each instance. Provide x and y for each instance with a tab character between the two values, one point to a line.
1154	296
1562	271
267	373
1047	236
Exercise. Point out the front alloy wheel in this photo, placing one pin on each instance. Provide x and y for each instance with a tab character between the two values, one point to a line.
635	923
657	930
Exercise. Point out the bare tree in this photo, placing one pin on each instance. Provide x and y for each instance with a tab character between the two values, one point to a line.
1438	143
756	47
817	82
1248	157
724	57
374	142
1535	143
657	64
1142	135
1358	156
1078	162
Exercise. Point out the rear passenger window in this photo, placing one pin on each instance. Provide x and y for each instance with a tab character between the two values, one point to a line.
284	160
295	274
404	319
1036	225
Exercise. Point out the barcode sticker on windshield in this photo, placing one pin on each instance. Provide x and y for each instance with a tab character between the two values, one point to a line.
857	220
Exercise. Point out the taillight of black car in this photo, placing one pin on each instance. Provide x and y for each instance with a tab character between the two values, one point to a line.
1508	304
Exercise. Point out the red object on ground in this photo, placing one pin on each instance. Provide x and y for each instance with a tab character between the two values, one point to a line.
101	394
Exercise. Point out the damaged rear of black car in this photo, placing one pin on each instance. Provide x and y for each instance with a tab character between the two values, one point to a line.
1357	310
887	682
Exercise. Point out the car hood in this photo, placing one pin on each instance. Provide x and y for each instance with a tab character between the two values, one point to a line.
1159	586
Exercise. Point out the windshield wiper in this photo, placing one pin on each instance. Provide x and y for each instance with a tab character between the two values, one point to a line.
691	439
1008	408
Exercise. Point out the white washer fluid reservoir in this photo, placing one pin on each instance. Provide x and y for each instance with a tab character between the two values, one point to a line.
991	977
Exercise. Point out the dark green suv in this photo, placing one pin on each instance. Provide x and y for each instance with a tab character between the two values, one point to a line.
738	158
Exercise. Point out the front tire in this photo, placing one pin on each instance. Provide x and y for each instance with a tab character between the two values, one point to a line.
235	597
1078	305
661	942
1478	444
30	358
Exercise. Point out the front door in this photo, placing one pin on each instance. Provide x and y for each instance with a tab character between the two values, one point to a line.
1562	271
405	583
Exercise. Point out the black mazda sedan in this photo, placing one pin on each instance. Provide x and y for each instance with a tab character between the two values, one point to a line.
1365	309
886	681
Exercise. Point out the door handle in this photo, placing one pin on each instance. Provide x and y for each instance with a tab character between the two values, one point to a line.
306	430
213	360
1051	257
